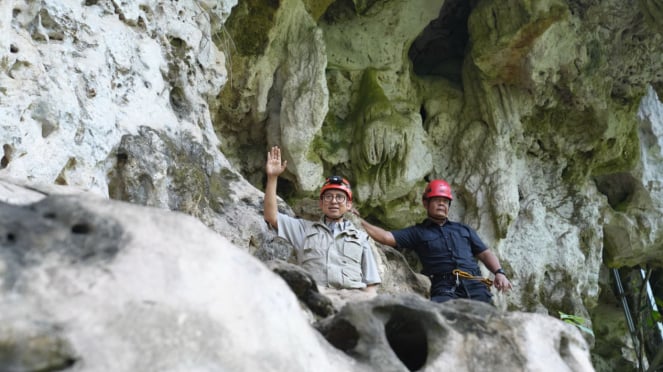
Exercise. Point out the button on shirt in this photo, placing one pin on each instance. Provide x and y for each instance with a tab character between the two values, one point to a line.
441	249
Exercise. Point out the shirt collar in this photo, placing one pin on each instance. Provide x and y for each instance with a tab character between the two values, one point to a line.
340	226
428	222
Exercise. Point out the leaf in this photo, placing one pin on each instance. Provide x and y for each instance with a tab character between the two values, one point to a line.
577	321
585	329
658	301
572	318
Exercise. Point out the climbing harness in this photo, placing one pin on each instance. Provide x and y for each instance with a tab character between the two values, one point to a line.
444	285
465	275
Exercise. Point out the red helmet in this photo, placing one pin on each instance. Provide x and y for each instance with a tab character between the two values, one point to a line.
437	188
338	183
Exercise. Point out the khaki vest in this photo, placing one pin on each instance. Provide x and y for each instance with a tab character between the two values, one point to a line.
333	261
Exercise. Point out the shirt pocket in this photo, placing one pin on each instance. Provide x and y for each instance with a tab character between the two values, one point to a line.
352	278
432	241
311	248
352	249
461	239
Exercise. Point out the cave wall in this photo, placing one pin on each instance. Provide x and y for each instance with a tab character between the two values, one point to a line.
544	116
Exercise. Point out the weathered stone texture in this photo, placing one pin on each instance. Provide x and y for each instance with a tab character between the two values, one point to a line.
77	76
408	334
88	284
545	116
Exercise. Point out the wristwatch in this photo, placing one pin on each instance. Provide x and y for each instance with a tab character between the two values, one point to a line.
499	271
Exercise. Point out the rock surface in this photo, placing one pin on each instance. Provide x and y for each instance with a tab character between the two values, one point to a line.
408	333
545	117
88	284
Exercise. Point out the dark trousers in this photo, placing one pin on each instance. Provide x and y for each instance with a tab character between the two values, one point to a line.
446	289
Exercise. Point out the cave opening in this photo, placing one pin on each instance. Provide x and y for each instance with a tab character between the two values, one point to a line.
407	338
440	48
619	188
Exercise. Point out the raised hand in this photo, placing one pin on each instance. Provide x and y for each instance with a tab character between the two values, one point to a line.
274	167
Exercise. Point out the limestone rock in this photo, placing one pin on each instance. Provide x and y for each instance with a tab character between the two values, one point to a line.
279	90
406	333
77	76
304	287
544	116
88	284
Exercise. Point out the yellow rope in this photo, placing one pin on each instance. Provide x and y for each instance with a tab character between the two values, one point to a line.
465	275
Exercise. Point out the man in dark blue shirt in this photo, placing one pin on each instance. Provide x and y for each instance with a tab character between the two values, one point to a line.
444	246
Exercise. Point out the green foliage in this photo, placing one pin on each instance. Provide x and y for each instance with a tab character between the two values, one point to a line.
659	302
655	318
654	315
577	321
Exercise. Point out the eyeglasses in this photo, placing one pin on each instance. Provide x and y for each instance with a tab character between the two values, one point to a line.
340	198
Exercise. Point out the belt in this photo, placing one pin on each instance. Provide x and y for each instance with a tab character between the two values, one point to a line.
458	276
442	276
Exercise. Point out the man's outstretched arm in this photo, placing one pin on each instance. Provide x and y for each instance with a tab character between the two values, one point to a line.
273	169
378	234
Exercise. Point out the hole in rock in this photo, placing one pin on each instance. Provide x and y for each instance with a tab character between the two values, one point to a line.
7	157
407	338
81	228
343	335
122	159
179	102
47	128
440	48
618	187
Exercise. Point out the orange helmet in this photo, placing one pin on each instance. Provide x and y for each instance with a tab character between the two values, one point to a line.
338	183
437	188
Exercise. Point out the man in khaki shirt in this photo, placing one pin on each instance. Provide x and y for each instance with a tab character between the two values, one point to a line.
332	250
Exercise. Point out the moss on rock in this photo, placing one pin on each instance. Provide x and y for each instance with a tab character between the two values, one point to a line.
249	25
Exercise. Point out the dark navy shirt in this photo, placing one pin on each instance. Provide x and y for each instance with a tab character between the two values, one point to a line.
442	248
